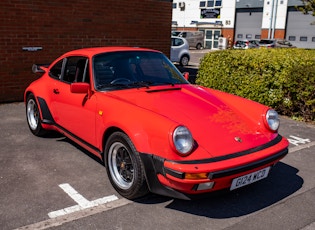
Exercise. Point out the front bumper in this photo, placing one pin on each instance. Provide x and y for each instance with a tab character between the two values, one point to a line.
166	177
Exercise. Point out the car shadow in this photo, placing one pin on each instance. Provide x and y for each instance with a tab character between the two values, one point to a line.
282	182
86	152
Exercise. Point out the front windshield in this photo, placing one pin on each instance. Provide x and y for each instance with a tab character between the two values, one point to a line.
132	69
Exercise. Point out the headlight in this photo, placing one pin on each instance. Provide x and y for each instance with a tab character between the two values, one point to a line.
183	140
272	119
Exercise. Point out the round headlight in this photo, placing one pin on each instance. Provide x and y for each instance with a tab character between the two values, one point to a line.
183	140
272	119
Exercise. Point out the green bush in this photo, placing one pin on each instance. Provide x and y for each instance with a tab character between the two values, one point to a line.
283	79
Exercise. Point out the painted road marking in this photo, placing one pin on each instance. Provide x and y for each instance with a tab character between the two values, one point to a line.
82	203
297	140
60	220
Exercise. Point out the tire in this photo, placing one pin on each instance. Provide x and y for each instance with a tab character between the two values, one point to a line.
184	60
198	46
124	167
33	116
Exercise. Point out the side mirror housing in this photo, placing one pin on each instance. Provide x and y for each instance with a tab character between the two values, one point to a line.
79	87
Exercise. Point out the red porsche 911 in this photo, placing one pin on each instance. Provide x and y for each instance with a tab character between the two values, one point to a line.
154	131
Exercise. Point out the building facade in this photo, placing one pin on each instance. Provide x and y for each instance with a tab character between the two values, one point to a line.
39	31
245	19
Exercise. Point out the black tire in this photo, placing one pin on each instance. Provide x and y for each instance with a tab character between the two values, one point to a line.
184	60
124	167
198	46
33	116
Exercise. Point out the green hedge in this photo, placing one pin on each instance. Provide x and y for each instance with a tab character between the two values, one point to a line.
283	79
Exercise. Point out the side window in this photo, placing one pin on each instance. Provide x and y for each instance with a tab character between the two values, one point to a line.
76	70
55	71
178	42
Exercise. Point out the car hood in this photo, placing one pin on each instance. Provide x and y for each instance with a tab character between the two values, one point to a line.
217	127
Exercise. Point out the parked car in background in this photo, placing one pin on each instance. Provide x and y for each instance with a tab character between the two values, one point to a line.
195	39
267	43
246	44
275	43
180	51
282	43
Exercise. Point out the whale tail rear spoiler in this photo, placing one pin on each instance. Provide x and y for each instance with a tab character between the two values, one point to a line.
39	68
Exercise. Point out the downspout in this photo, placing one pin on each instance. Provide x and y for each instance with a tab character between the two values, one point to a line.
274	19
271	19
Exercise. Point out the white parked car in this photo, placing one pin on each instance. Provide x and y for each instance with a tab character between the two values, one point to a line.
180	51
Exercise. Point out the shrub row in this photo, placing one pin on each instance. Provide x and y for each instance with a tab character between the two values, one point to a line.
283	79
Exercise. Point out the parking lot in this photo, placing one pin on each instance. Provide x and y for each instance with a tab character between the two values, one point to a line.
53	183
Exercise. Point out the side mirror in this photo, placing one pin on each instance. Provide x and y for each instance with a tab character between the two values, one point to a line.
186	75
79	87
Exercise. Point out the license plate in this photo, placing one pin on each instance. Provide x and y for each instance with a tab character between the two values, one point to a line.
249	178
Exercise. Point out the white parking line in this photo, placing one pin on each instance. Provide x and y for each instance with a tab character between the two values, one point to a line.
60	220
300	147
82	202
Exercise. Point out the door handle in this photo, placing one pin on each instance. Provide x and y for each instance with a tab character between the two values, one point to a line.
56	91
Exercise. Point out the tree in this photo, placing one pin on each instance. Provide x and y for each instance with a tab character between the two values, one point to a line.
308	7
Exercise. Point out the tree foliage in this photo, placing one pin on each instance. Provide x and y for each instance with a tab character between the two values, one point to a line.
308	7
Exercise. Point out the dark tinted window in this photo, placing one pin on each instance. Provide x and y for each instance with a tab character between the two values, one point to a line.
55	71
76	70
177	42
123	70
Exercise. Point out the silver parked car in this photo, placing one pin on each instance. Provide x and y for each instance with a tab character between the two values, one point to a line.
267	43
180	50
246	44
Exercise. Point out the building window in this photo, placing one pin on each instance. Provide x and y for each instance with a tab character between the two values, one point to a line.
291	38
313	39
303	39
210	4
202	4
248	36
218	3
257	36
174	5
240	36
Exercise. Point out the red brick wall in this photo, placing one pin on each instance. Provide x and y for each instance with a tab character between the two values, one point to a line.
280	34
59	26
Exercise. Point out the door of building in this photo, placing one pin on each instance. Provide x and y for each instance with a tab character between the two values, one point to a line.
212	38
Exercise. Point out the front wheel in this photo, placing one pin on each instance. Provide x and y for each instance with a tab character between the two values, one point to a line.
33	116
124	167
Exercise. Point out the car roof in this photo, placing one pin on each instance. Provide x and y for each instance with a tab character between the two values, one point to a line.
90	52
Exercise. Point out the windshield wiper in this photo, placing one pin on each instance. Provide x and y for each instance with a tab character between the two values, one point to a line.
112	85
141	84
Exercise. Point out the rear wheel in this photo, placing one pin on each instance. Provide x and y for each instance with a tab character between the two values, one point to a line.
198	46
124	167
33	116
184	60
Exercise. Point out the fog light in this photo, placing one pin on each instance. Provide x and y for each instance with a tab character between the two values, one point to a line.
205	186
196	176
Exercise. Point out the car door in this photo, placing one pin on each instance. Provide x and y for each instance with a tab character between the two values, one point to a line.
75	112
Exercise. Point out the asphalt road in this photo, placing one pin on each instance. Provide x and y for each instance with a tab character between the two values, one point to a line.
52	183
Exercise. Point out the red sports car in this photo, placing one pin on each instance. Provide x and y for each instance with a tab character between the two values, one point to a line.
154	130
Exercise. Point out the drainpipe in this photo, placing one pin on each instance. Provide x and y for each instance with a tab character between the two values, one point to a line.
275	9
271	18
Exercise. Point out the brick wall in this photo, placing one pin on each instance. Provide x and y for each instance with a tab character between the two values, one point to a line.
59	26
